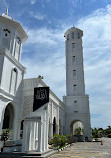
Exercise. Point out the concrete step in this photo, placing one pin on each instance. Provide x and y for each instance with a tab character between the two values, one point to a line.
28	155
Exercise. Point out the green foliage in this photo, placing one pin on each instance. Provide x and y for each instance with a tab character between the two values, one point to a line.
107	131
5	135
109	135
58	140
61	140
71	139
100	132
78	131
97	132
41	77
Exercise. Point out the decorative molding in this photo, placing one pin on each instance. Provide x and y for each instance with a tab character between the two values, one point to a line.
6	95
7	53
27	106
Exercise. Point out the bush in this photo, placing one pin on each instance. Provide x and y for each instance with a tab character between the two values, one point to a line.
71	139
96	133
109	136
58	140
5	135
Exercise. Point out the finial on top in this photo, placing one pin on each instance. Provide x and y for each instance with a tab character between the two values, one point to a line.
6	13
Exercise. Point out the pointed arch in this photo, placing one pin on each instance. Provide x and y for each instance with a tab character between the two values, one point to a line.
76	124
8	121
54	126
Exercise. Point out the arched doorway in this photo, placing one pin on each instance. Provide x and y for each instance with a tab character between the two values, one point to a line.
8	117
76	127
60	127
54	126
49	129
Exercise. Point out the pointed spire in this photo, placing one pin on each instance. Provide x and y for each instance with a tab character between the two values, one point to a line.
6	11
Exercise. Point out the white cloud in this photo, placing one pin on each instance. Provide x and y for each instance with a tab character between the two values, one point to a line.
33	1
52	69
37	15
97	60
45	36
97	55
49	61
76	3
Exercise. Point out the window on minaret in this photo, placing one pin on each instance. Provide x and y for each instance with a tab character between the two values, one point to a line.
75	106
17	48
72	35
73	59
73	46
74	72
6	38
68	37
13	81
78	35
75	87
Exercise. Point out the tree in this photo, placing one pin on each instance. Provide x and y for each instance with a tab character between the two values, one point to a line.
97	132
78	131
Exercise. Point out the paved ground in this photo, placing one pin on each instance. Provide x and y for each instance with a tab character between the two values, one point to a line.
87	150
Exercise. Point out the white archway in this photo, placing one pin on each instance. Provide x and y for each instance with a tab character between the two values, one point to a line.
75	124
54	126
8	120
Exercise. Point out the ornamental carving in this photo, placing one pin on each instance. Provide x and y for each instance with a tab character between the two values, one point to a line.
28	105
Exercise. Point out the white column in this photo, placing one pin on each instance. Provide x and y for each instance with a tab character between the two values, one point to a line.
25	137
43	136
39	137
57	129
46	134
24	140
30	135
36	136
52	121
51	129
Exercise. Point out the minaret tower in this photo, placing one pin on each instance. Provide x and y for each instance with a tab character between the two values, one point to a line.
12	37
77	103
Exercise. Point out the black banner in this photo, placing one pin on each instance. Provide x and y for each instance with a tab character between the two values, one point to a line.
41	97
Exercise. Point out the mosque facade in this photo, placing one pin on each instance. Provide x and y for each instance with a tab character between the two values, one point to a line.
17	93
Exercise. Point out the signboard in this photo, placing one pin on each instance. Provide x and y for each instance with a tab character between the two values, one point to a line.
41	97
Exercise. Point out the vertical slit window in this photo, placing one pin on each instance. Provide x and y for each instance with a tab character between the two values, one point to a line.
72	35
13	81
75	106
6	38
17	48
75	87
73	46
78	35
74	72
73	59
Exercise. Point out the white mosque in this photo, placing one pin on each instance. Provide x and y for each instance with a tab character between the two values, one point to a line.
17	93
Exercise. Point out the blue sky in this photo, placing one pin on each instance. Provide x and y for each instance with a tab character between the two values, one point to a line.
45	22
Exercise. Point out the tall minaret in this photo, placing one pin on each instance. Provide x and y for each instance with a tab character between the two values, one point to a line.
77	103
12	37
